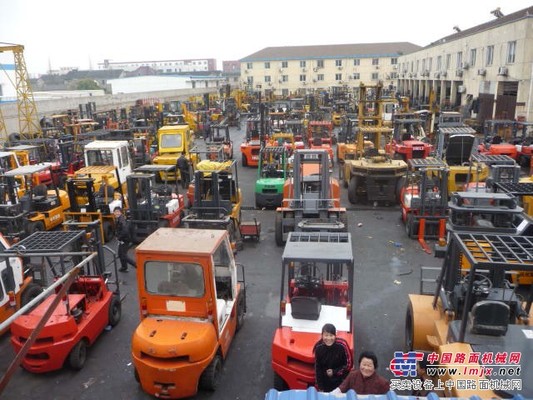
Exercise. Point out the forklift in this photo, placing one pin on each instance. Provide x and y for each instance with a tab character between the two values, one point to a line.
424	200
311	198
219	135
152	205
217	201
43	207
89	204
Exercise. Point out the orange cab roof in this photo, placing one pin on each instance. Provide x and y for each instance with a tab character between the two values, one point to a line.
182	240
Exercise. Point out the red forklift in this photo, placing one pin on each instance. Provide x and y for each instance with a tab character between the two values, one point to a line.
499	138
424	200
252	143
317	285
219	136
408	138
92	302
320	136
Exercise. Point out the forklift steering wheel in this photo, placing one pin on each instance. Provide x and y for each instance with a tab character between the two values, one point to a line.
482	284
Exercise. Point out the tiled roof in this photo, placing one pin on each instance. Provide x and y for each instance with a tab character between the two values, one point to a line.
496	22
360	50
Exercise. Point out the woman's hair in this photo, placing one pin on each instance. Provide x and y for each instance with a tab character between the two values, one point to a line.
329	328
370	355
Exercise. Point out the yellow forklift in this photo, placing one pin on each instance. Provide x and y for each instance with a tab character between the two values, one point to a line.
43	207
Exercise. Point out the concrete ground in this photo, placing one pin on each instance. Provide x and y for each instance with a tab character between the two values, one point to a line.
387	270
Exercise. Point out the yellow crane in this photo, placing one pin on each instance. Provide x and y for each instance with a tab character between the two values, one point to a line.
29	127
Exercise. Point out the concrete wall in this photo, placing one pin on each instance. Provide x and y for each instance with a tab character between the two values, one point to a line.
103	103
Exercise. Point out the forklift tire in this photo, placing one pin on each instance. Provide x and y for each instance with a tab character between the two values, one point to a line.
244	161
109	234
343	217
35	226
78	355
352	191
279	383
409	329
115	310
136	375
210	376
399	186
411	227
241	310
279	229
32	291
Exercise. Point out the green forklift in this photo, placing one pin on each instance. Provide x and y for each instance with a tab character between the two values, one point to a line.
272	172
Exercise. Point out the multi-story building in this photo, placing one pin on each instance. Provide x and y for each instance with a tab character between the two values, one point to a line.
486	71
164	66
285	70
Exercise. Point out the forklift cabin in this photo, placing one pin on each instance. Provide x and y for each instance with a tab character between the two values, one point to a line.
12	223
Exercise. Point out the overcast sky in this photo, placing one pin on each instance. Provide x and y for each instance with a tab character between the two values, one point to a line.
75	33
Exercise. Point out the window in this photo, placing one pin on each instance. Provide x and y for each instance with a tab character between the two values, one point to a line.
284	64
417	65
356	62
439	63
250	80
267	65
430	63
375	61
168	141
459	60
267	78
100	157
174	278
302	64
249	65
423	64
473	56
394	61
490	56
356	75
285	78
320	77
448	61
303	78
394	75
338	77
375	76
511	52
338	63
320	63
125	157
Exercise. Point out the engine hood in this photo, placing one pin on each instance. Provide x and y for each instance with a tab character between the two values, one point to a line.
172	338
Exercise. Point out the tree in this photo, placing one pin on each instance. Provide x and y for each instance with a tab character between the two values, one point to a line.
86	84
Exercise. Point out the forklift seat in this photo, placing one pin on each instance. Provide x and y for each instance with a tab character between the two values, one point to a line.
489	317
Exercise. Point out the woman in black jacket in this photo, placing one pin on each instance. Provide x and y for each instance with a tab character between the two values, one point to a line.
333	359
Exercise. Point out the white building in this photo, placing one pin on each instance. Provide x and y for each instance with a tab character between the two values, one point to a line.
486	70
154	83
164	66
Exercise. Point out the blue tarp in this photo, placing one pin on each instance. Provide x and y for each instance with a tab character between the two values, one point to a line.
312	394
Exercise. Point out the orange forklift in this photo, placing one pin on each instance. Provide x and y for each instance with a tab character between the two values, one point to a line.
192	302
252	144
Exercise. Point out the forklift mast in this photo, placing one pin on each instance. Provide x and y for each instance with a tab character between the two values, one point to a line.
208	201
311	176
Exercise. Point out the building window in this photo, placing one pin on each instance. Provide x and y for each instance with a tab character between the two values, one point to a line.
302	64
448	61
511	51
249	65
284	64
285	78
338	77
459	61
267	79
423	64
320	77
250	80
417	65
394	61
473	56
267	65
356	75
394	75
490	56
375	61
303	78
320	63
356	62
338	63
439	63
375	76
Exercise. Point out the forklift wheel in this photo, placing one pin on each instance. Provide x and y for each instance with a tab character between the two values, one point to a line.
352	191
136	375
244	161
32	291
35	226
240	311
210	376
78	355
279	383
279	229
115	310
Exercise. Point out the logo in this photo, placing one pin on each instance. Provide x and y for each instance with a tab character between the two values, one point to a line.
404	364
